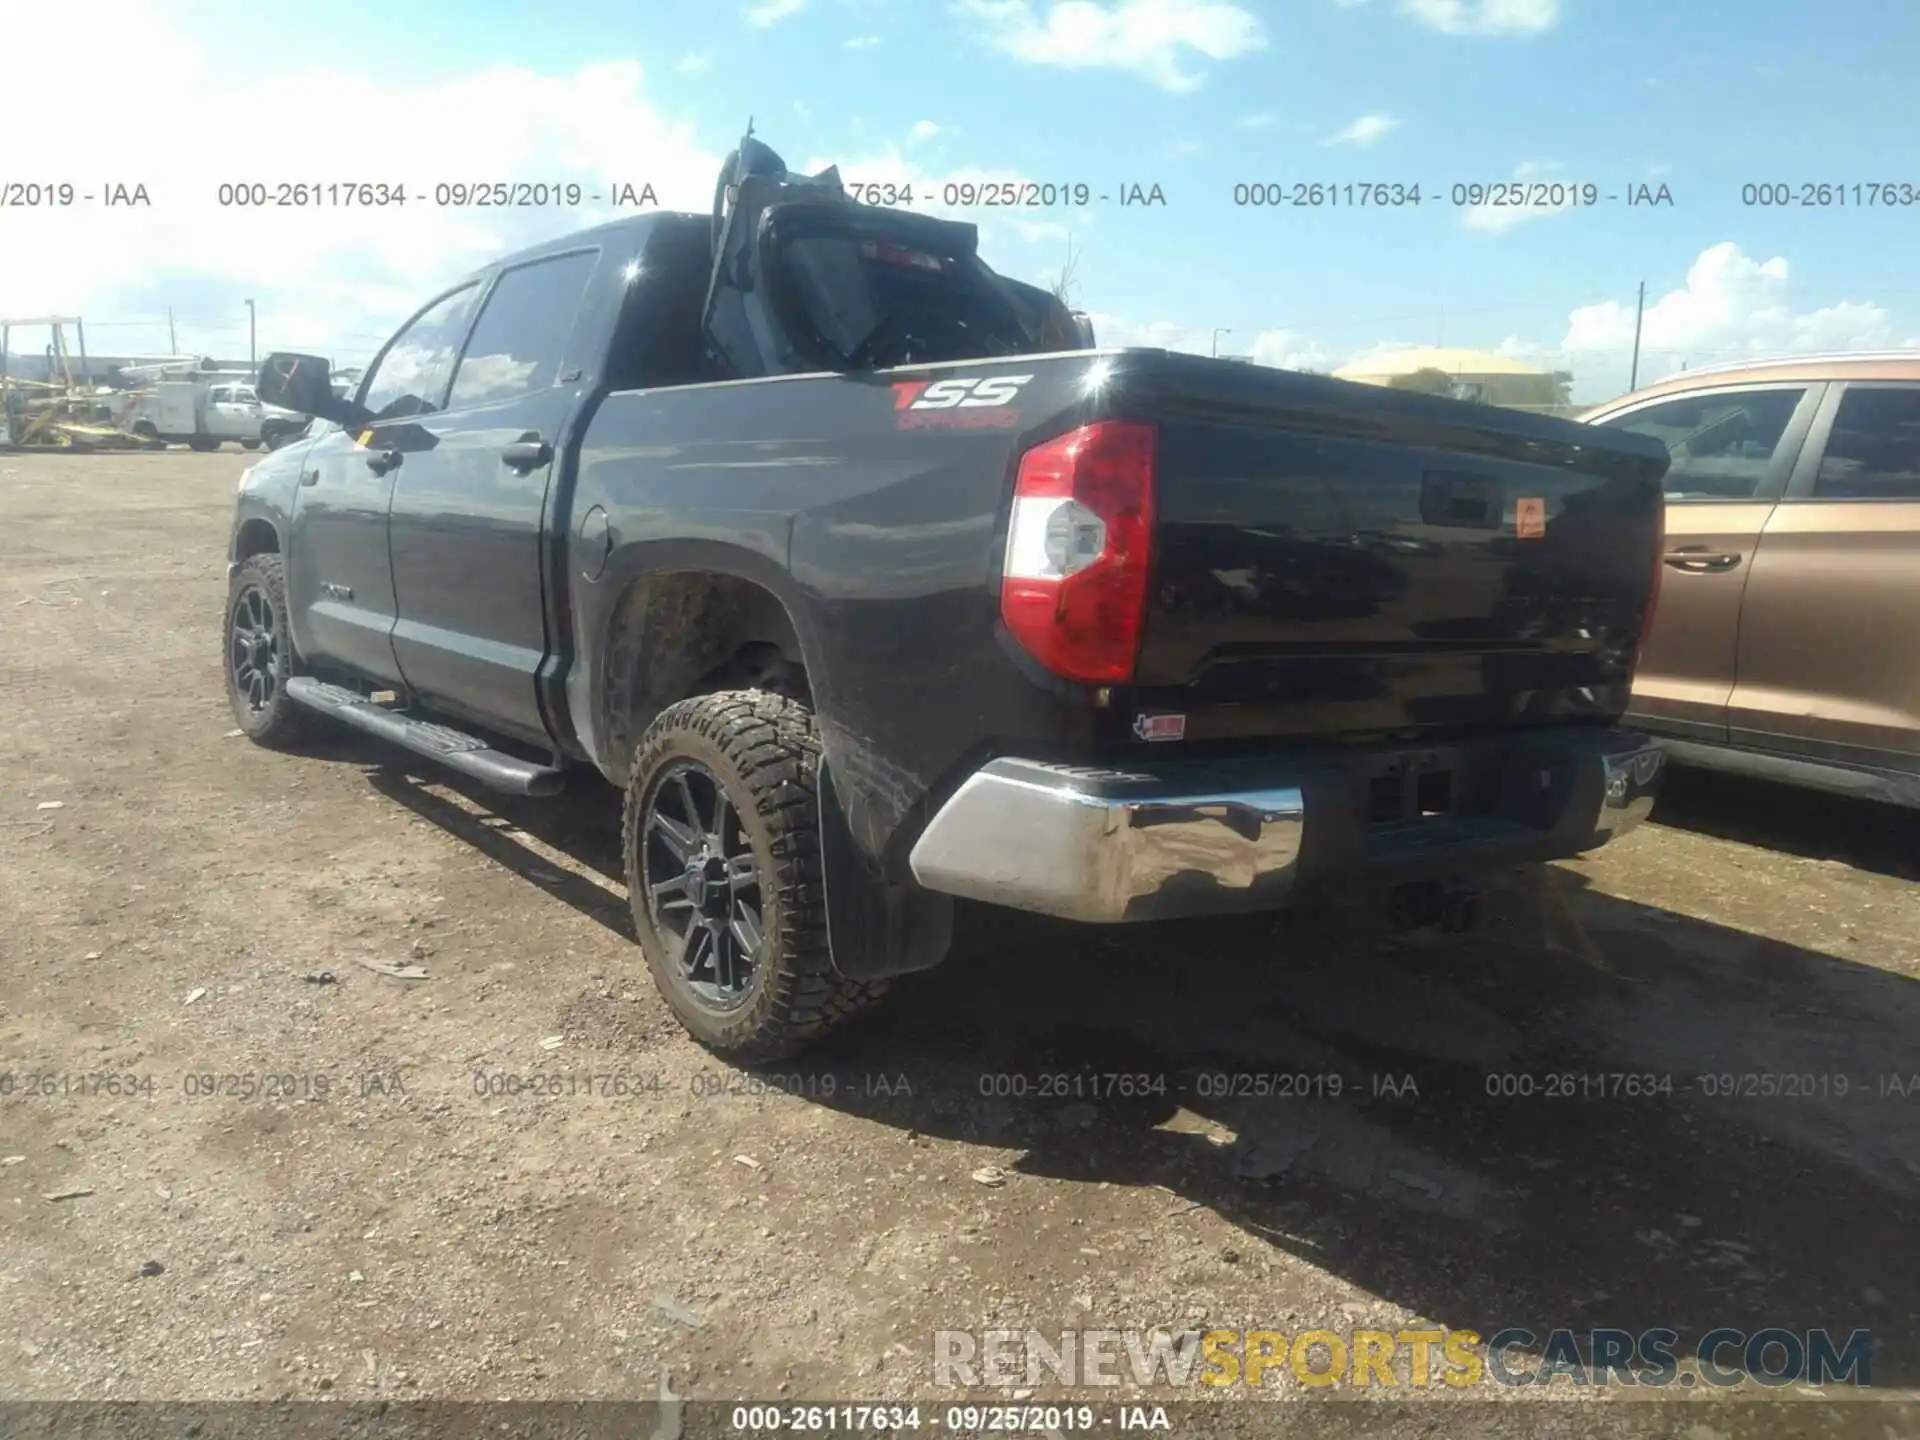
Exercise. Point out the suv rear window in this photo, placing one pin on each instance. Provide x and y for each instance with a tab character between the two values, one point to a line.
1874	451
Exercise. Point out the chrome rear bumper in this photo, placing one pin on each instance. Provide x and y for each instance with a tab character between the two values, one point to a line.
1198	839
1011	837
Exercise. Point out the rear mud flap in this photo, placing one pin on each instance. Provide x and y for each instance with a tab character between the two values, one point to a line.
875	928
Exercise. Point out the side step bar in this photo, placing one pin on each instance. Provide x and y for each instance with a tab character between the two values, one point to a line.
455	749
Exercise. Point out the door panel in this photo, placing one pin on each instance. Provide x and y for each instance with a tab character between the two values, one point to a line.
1830	631
1828	648
469	506
340	569
339	576
466	554
1688	667
1732	448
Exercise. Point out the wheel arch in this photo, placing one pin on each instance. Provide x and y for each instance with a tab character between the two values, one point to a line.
687	630
255	536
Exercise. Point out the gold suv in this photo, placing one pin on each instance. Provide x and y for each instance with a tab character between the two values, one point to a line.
1786	642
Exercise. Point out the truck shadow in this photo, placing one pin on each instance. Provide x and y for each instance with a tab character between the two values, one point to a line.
1487	1130
1586	1113
1869	836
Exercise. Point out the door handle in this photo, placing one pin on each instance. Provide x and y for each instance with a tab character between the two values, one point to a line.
309	477
381	461
1696	559
525	455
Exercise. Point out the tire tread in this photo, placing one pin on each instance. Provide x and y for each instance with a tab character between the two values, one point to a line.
772	744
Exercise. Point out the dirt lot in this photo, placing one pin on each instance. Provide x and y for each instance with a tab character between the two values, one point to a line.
171	896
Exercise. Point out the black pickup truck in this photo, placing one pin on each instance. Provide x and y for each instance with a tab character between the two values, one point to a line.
828	546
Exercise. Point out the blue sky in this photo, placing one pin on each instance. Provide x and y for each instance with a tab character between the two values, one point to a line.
1193	95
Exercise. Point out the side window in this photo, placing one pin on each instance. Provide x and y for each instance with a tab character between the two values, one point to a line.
1874	451
522	332
411	376
1722	445
219	395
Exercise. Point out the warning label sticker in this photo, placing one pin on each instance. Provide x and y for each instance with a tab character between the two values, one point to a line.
1530	517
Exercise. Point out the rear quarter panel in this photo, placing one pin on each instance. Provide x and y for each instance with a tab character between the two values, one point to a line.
876	526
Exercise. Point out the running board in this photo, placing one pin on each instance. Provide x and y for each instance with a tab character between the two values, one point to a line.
455	749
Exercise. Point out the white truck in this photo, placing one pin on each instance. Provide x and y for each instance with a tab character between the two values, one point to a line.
204	412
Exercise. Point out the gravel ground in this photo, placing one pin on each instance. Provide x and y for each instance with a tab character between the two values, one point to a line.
372	1216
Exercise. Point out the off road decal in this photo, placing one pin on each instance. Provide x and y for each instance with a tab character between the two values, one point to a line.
969	402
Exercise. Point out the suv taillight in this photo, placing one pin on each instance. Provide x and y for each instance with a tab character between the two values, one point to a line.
1074	583
1653	593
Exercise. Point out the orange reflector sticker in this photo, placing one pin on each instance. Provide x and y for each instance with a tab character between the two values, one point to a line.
365	437
1530	517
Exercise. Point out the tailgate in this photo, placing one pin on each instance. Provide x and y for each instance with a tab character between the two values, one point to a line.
1335	559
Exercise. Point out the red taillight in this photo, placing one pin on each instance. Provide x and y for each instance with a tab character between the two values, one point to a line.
1074	586
1653	593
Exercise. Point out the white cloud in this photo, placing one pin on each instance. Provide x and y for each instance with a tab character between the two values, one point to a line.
1146	38
1289	351
1731	307
693	64
1478	17
1282	349
923	130
331	278
932	186
1485	17
771	12
861	42
1514	205
1364	131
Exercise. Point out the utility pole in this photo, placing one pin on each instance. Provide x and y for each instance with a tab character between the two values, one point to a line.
1218	331
1639	314
252	362
173	347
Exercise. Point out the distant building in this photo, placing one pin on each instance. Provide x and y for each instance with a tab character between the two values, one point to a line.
1468	375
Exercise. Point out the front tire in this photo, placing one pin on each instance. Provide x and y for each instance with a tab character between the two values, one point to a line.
721	837
260	659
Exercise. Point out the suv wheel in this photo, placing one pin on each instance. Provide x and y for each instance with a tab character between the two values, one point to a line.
722	846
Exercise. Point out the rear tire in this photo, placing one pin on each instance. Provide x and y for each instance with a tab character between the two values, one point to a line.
260	660
721	838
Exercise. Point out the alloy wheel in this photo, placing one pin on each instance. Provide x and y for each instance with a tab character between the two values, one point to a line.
702	884
253	650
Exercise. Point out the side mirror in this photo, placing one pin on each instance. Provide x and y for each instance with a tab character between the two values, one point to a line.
302	384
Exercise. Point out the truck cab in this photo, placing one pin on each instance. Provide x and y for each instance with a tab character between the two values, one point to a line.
232	412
